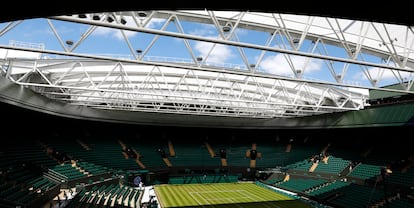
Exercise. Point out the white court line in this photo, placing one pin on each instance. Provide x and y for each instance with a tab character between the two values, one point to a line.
211	200
198	192
226	198
198	202
244	195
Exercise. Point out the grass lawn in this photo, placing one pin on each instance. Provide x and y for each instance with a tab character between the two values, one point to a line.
223	195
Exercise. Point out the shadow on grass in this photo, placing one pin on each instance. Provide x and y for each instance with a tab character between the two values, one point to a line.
267	204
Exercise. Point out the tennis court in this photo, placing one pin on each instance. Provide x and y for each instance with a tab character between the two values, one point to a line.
223	195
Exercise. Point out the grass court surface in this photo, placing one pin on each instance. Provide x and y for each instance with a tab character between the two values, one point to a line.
223	195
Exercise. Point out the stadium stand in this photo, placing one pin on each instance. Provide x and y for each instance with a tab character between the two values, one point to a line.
54	161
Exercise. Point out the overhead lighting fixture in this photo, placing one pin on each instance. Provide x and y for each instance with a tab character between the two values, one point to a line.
82	16
123	21
142	14
69	42
110	19
139	51
226	28
295	40
96	17
199	58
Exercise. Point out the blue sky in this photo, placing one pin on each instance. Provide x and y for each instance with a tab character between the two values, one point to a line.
111	41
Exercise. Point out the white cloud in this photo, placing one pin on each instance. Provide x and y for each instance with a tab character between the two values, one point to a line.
387	74
203	31
116	33
65	30
220	54
200	30
104	31
279	65
155	22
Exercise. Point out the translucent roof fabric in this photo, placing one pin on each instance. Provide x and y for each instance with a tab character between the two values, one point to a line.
219	63
377	37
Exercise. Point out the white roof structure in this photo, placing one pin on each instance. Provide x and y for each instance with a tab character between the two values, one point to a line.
218	63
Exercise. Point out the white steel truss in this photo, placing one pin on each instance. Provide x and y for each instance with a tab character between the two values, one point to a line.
196	78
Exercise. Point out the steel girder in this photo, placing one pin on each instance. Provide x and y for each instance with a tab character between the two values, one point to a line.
142	79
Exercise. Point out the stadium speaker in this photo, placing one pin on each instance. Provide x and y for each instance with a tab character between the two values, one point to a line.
162	153
253	154
223	154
